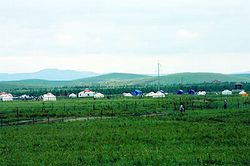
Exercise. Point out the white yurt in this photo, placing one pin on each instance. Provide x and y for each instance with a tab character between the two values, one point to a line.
72	95
98	95
243	94
49	97
226	92
86	93
127	95
158	94
150	94
202	93
24	97
6	96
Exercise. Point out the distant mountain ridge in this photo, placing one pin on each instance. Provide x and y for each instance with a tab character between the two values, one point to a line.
48	74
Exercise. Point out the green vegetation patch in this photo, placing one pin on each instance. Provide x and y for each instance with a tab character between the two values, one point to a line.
200	137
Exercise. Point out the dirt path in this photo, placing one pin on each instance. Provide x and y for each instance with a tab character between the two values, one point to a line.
66	119
51	120
86	118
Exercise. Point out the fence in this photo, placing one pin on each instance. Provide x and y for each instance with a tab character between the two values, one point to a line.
42	112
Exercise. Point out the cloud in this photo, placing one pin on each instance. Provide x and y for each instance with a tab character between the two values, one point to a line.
184	35
105	63
117	29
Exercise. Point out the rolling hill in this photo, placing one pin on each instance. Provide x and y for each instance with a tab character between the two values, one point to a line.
195	78
106	79
243	75
112	77
120	79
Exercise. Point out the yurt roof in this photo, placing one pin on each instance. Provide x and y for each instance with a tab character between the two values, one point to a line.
4	94
242	92
99	93
127	94
49	95
238	84
159	92
226	90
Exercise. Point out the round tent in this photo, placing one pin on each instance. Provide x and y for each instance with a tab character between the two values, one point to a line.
6	96
202	93
191	92
127	94
158	94
136	93
162	91
49	97
72	95
226	92
24	97
98	95
180	92
86	93
243	94
238	86
150	94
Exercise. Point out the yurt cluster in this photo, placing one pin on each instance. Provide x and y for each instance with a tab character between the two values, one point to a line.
91	94
50	97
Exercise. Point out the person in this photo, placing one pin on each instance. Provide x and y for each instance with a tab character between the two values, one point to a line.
225	104
182	108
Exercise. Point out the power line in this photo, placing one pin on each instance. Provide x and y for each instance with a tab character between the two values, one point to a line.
158	65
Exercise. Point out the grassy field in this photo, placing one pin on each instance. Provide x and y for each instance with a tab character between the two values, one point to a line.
207	137
117	105
139	132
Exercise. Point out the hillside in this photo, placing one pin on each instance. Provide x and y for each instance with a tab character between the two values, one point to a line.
112	77
107	79
243	75
120	79
195	78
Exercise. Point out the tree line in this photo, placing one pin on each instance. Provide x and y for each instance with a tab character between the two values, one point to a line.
114	90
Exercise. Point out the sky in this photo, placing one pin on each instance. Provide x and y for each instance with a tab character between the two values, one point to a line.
129	36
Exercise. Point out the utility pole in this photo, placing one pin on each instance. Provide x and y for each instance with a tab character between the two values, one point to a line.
158	76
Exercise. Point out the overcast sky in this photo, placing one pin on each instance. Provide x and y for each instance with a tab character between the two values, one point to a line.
125	35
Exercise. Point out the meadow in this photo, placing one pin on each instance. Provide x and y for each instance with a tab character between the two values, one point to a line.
116	106
140	131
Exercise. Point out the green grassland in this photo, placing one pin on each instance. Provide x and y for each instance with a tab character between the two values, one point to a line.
117	106
198	137
136	131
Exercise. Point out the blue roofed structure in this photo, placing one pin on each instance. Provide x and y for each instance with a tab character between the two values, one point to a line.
180	92
136	93
191	92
